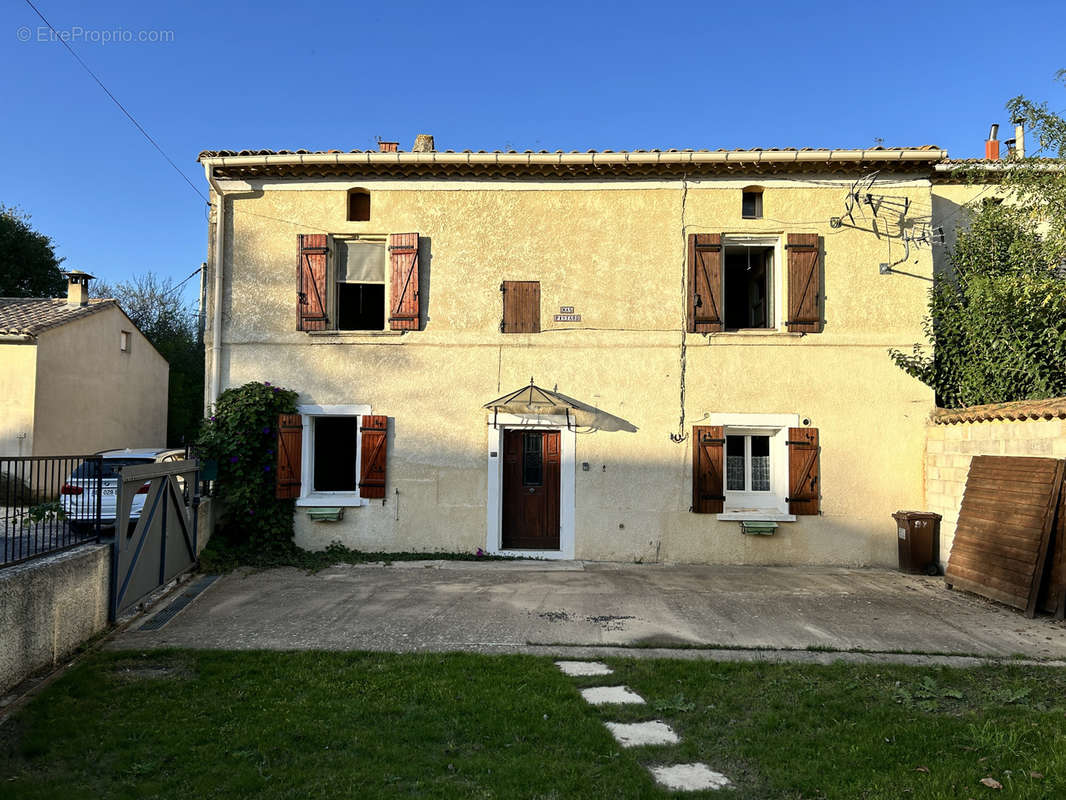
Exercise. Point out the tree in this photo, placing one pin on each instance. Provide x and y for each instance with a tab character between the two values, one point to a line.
28	263
155	306
998	321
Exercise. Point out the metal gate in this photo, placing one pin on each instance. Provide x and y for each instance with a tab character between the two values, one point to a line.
155	540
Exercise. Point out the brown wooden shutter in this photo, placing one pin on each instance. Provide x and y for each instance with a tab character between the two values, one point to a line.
704	282
708	460
804	283
403	268
290	445
311	282
372	465
521	307
804	482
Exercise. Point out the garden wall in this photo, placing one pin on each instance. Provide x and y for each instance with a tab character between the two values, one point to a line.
49	606
954	436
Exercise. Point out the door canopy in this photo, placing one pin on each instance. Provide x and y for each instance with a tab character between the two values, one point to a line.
533	400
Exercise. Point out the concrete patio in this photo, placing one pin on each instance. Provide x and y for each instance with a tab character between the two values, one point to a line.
588	609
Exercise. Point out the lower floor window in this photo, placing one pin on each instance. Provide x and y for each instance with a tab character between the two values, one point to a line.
747	463
336	448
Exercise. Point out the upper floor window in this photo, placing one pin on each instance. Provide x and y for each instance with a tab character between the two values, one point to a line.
751	203
358	205
521	307
342	283
742	281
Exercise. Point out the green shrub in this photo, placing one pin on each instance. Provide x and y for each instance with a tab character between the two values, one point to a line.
242	438
998	323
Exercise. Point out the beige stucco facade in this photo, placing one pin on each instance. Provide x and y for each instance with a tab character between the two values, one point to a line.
71	389
615	251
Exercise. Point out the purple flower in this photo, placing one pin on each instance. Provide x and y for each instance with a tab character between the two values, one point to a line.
250	512
266	468
266	383
276	389
479	552
212	419
234	459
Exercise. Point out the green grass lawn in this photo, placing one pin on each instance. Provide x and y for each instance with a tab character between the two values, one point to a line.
203	724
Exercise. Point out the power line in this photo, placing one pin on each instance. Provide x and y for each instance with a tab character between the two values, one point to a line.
114	99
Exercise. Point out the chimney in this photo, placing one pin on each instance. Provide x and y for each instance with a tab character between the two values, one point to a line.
423	143
388	147
78	287
992	144
1019	137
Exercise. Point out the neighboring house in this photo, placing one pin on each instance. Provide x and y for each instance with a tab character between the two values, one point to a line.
76	376
706	334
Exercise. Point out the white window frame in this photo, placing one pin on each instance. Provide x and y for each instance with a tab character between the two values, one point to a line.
777	279
308	496
335	240
762	506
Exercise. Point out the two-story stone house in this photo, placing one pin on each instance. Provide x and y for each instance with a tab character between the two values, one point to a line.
706	335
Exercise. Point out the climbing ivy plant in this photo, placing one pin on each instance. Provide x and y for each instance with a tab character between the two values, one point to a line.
241	437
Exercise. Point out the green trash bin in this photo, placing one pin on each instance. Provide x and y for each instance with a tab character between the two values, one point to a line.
918	535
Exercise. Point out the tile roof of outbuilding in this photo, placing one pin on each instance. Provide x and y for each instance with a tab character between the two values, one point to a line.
29	316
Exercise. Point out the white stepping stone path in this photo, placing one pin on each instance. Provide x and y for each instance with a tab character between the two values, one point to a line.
583	668
677	777
637	734
689	777
611	695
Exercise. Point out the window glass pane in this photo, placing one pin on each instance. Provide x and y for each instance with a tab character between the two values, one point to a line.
335	450
760	463
532	464
360	261
734	463
360	306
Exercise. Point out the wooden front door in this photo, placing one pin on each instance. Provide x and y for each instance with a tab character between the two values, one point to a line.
530	490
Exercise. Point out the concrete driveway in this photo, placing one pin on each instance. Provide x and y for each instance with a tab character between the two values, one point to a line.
581	609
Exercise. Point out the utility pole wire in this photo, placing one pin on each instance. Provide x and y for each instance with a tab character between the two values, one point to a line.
114	99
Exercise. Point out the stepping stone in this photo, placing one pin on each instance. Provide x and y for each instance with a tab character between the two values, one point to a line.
607	695
689	777
580	668
635	734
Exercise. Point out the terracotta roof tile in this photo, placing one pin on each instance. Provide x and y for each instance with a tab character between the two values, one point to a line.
29	316
1018	410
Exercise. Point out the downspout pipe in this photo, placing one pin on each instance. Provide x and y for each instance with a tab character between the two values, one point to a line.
215	378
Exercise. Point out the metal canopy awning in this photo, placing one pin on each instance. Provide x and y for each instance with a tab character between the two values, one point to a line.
534	400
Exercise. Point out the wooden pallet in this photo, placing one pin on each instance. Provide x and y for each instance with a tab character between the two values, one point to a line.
1005	528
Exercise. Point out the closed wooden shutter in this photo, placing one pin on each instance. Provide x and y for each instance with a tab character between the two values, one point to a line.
708	461
704	282
804	283
403	269
804	484
290	444
372	464
521	307
311	282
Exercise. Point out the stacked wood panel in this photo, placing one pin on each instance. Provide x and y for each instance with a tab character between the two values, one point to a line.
1005	530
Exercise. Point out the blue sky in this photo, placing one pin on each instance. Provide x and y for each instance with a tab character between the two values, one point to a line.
477	75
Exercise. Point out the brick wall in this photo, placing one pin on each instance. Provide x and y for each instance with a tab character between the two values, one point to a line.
949	446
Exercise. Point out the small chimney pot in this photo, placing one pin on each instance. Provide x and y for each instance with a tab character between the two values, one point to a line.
78	287
992	144
388	147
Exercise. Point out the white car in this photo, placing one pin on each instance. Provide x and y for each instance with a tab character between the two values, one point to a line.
79	493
